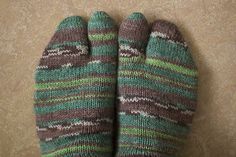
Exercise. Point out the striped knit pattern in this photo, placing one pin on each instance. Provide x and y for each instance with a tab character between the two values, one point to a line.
157	81
75	89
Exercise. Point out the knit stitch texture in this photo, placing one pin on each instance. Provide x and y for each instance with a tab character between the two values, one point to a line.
75	88
157	89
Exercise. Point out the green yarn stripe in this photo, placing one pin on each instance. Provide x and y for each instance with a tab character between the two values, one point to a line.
149	133
159	63
159	71
76	149
99	37
152	77
140	82
180	69
52	85
71	73
66	141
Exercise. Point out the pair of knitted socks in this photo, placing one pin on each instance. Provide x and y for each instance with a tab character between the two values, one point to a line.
79	79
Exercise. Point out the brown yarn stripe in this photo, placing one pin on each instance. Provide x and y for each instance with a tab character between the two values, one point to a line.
111	42
77	113
165	97
82	129
172	30
133	35
155	111
75	34
54	62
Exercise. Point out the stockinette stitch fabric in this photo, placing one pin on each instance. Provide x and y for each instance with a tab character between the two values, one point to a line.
75	88
157	89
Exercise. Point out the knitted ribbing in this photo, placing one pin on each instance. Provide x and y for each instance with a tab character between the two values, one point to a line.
157	90
75	88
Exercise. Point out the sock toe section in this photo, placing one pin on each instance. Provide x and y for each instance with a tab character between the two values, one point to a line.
168	31
167	43
102	34
68	43
72	22
72	31
133	35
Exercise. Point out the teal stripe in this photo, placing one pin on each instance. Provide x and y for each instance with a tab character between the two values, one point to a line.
155	85
102	24
72	22
128	42
68	73
129	139
153	123
127	151
158	71
62	92
66	141
89	153
72	83
104	50
65	43
168	50
75	104
43	124
184	107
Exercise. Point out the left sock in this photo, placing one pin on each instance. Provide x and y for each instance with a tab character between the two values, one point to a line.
75	89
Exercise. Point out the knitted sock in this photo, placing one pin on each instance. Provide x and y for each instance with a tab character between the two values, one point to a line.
75	88
157	89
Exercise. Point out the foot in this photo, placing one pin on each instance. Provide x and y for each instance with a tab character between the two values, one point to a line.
157	81
75	88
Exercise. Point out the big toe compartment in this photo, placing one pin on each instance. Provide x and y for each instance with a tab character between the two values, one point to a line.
167	43
102	34
72	31
67	45
133	35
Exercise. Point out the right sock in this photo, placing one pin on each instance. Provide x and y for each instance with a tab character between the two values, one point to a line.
157	89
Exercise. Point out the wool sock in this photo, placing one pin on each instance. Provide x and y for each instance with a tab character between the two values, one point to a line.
157	81
75	88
